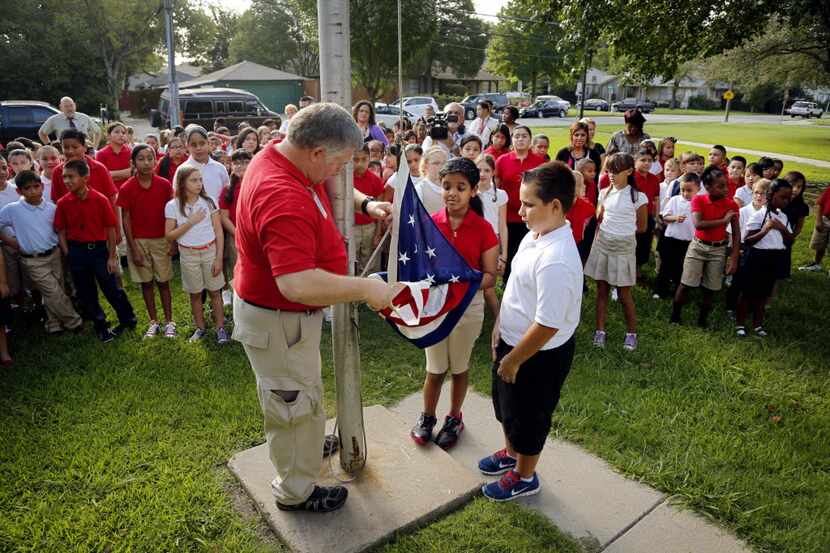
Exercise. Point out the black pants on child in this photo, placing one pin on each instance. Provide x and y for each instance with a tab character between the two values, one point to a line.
524	408
88	265
644	240
515	233
672	253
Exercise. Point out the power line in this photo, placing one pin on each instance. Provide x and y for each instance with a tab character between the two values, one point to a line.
463	47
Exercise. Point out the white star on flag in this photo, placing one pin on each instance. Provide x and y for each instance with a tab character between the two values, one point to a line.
412	220
403	258
431	279
430	251
454	279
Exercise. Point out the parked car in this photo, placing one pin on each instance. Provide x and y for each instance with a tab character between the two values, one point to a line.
204	105
545	108
500	101
389	114
547	97
417	104
805	109
597	104
633	103
23	118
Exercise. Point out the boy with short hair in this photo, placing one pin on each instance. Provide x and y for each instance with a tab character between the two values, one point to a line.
717	157
821	232
86	222
540	146
73	145
690	162
735	173
366	230
31	218
704	263
679	232
648	184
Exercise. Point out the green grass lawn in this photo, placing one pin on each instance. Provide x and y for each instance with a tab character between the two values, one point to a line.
697	133
122	447
660	111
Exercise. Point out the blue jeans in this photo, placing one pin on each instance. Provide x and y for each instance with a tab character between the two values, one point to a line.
88	265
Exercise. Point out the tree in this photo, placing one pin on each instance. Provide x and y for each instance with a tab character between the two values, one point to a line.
206	36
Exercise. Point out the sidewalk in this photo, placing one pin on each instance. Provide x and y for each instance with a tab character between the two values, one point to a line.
583	496
784	157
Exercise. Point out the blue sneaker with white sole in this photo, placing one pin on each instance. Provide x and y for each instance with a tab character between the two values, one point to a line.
497	463
510	487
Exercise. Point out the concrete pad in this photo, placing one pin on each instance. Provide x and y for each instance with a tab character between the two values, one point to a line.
669	529
581	494
403	486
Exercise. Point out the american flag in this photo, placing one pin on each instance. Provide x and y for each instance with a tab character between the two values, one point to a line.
439	282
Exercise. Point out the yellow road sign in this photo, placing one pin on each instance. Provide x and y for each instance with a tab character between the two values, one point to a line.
728	95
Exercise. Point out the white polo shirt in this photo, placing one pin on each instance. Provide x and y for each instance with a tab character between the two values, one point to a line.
33	225
773	240
545	286
200	234
431	195
678	205
214	176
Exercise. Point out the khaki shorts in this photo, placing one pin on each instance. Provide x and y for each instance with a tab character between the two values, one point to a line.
197	270
820	238
157	266
704	266
363	237
453	352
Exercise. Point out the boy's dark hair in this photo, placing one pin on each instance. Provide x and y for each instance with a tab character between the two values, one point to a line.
73	134
77	165
554	181
711	174
307	99
468	168
413	148
471	138
525	127
364	148
241	153
15	145
112	126
720	148
690	177
742	159
25	177
757	168
487	104
645	152
765	162
268	122
514	111
376	163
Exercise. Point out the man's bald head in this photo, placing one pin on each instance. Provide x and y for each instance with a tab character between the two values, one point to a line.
67	106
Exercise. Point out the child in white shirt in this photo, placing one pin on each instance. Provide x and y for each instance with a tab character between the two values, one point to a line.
679	232
494	204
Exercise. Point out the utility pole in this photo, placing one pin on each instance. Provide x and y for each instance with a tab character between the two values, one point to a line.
400	67
173	87
588	56
336	86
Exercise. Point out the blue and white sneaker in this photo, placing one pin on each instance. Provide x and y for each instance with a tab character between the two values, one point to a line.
510	487
497	463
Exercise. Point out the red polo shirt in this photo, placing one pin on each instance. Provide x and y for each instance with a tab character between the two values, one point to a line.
230	206
650	186
99	179
371	185
580	213
84	220
709	211
509	170
733	186
146	205
113	161
284	225
474	237
824	203
491	150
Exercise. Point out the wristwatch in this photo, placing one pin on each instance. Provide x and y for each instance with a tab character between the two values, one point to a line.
365	204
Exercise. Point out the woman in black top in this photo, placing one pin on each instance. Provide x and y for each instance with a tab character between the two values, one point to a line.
579	148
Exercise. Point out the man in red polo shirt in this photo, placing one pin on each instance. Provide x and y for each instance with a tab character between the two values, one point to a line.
291	262
85	223
509	170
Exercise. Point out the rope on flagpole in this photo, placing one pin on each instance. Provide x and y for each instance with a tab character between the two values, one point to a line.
375	253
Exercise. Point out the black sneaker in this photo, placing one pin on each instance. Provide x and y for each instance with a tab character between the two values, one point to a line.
450	432
421	433
321	500
123	327
106	336
330	445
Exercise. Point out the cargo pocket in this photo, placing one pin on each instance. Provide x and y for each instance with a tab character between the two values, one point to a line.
286	414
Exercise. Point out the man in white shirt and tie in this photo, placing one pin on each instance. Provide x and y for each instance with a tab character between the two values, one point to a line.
483	125
68	118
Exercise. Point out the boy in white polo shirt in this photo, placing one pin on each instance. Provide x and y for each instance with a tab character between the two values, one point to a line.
533	339
31	218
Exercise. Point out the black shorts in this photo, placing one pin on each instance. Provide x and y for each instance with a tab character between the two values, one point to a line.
6	315
525	407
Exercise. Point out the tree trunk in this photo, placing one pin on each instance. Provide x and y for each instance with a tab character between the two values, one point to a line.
674	94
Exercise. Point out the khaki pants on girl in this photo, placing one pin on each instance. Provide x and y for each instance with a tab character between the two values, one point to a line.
283	348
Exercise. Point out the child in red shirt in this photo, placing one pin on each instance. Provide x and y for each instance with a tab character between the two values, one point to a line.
581	213
648	184
175	156
115	156
705	259
85	223
228	199
142	199
463	224
366	230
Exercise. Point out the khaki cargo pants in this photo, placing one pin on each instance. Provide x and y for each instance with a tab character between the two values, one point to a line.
283	348
46	275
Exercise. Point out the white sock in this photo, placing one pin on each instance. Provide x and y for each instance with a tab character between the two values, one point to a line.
527	479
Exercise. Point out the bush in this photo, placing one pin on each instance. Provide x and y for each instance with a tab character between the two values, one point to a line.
702	102
444	99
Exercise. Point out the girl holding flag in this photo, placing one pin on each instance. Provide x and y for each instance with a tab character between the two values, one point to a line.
463	225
